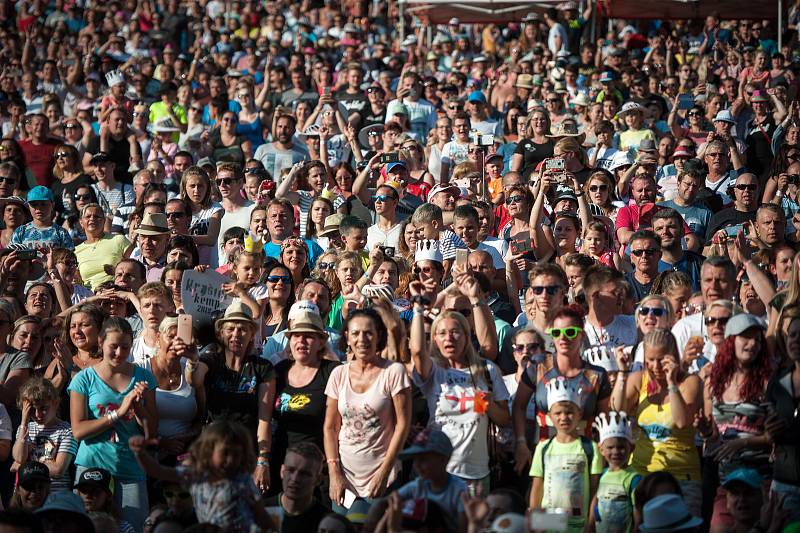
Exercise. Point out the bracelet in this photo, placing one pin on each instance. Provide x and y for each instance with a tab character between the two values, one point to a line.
262	463
417	311
673	389
113	416
263	454
332	461
478	303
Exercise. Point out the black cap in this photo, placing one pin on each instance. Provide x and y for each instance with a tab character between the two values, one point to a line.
33	471
94	477
167	87
99	158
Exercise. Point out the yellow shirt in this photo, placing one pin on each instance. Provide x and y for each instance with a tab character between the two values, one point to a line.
93	257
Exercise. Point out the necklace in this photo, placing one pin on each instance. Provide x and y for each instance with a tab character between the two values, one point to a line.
172	378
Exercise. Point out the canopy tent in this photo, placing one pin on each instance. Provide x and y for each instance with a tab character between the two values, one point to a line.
689	9
475	11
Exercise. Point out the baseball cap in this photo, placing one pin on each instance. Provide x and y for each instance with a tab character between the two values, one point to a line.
565	193
606	77
740	323
40	194
682	151
33	471
441	187
476	96
94	477
429	441
391	166
748	476
99	158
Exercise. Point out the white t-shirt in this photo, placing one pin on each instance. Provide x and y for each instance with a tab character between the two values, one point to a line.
621	332
692	326
141	352
451	396
497	248
454	153
557	30
376	235
239	218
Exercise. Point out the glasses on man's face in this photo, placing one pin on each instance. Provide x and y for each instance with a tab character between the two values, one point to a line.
137	114
694	114
427	270
746	187
541	289
175	214
716	320
649	252
283	279
715	155
226	181
655	311
570	332
383	198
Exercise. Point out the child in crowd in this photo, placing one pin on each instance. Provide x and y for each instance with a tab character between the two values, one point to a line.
218	477
429	223
354	234
431	452
95	489
155	302
612	507
41	435
566	468
232	243
596	244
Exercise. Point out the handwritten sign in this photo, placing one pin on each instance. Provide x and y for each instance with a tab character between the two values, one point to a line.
202	295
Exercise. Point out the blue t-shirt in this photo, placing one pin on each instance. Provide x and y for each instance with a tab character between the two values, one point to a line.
697	217
109	449
314	251
448	499
42	238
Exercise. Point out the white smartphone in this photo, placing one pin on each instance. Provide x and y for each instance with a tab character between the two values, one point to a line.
548	520
349	498
185	328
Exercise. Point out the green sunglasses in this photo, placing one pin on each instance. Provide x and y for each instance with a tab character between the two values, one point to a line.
569	332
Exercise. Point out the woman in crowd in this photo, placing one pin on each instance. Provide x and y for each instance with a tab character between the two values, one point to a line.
413	154
408	241
732	422
172	277
180	401
326	269
84	195
100	248
450	364
280	293
676	287
321	208
15	214
294	256
239	385
536	146
26	336
40	300
109	403
368	413
68	170
81	335
663	399
226	144
195	190
300	388
600	190
182	248
343	178
653	312
251	119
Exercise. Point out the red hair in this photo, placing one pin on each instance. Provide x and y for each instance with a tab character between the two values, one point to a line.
572	312
724	366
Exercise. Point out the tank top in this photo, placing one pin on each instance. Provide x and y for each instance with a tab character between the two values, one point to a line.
740	421
660	445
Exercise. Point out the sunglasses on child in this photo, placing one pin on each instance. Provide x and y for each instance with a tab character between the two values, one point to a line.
570	332
326	266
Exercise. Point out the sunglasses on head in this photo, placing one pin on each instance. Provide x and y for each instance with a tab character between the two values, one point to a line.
655	311
276	279
570	332
551	289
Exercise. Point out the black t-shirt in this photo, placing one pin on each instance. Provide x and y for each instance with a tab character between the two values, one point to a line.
63	194
354	103
640	290
299	411
305	522
727	217
120	153
533	153
234	395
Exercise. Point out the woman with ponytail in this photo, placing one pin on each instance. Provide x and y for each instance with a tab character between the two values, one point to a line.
663	399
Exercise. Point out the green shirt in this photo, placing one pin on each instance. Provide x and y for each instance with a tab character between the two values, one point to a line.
614	511
567	478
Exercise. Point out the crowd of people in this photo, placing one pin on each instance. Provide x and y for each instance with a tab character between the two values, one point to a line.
473	277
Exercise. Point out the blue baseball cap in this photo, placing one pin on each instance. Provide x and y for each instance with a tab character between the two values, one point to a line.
476	96
394	165
429	441
606	77
748	476
40	194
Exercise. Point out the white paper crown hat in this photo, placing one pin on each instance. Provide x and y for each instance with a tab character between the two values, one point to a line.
560	390
601	356
428	250
114	77
613	425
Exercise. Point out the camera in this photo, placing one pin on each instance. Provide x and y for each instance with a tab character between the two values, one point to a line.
794	179
389	157
388	251
556	163
479	139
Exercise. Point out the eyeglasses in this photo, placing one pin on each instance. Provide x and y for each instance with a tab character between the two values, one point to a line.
226	181
175	214
694	114
9	179
570	332
326	266
424	270
229	120
716	320
63	155
82	197
552	100
649	252
137	114
530	347
540	289
746	187
515	199
655	311
383	198
283	279
454	107
183	495
244	95
598	188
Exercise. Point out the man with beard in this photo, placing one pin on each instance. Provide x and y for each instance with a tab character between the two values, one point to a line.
668	224
301	473
283	152
725	225
280	224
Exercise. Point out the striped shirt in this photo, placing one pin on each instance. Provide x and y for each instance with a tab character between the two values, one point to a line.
47	442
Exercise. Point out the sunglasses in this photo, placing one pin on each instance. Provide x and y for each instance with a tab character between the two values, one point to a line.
9	179
63	155
746	187
82	197
175	214
644	251
424	270
183	495
283	279
655	311
515	199
198	109
530	347
552	101
382	198
326	266
551	289
570	332
137	114
598	188
226	181
716	320
72	126
694	114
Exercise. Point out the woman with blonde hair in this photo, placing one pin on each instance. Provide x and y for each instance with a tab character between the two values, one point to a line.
195	191
413	153
663	399
447	365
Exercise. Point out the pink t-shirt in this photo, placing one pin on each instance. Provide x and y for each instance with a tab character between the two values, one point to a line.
368	421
